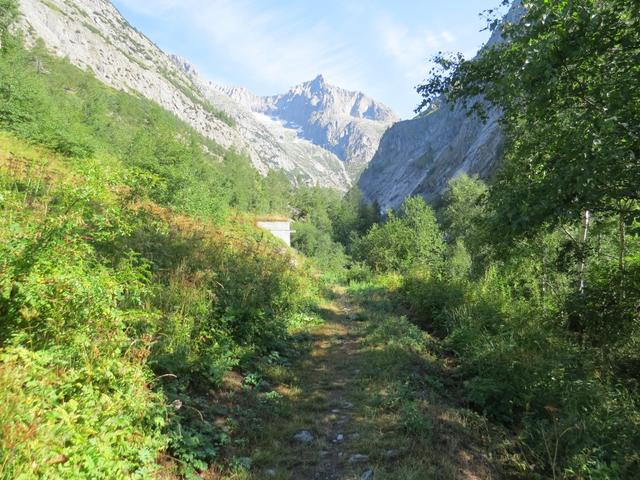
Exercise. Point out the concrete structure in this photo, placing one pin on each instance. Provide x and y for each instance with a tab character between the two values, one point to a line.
278	228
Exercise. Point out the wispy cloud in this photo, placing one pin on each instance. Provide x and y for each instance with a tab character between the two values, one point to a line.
280	45
408	49
381	48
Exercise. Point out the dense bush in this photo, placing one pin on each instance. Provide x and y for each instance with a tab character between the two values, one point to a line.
127	287
75	396
410	240
547	329
536	353
329	225
99	296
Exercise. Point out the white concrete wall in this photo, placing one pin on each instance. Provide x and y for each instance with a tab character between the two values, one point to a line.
281	230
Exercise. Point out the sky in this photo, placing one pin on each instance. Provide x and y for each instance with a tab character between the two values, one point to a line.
379	47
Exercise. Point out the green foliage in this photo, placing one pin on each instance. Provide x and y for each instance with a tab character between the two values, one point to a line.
75	400
69	414
546	326
327	225
313	226
463	211
567	83
353	217
8	14
535	352
49	102
318	244
127	293
114	295
523	369
409	241
120	301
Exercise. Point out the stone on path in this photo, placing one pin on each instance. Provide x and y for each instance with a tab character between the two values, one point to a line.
367	475
392	454
358	458
304	437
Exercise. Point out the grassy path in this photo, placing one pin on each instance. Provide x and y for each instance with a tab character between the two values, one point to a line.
372	401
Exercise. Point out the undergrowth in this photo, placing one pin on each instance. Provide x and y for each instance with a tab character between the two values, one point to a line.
132	278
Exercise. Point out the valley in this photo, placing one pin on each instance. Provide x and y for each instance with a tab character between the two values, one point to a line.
460	299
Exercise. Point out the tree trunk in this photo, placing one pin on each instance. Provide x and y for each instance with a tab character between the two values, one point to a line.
586	220
622	241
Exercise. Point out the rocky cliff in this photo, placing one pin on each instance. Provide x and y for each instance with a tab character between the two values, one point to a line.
420	156
93	35
277	147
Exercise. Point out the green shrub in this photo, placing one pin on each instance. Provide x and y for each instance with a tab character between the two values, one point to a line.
407	242
74	390
522	368
430	300
126	289
309	240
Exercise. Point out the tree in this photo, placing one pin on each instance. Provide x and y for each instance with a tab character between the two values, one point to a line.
353	216
428	241
408	241
567	81
463	208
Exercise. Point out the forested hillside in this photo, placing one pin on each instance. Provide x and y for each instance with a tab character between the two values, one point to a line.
148	329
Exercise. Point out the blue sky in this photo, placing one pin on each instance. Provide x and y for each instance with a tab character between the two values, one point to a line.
375	46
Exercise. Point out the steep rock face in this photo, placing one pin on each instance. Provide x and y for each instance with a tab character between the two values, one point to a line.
93	35
348	124
420	156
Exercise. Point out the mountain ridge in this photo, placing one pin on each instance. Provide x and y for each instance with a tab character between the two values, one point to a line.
94	35
347	123
278	146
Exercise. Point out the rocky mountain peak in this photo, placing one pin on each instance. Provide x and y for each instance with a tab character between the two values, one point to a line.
322	95
319	82
347	123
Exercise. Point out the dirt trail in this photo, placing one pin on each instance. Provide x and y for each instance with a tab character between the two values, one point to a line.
362	404
334	374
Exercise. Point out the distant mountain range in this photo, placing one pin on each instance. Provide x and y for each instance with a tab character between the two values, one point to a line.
317	133
348	124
